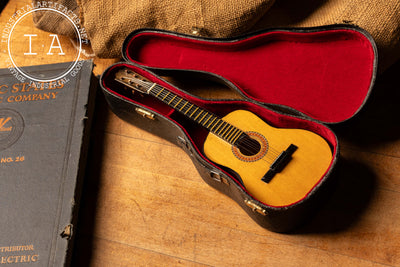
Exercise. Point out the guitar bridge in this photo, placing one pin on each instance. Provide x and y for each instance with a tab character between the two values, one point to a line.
279	163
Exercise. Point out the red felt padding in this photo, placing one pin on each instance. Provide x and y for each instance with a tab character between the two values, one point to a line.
196	133
326	75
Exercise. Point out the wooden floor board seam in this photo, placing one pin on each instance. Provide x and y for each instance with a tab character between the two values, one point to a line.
146	249
196	262
141	139
309	247
136	170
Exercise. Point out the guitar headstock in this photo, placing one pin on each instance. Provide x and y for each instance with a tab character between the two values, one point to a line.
133	80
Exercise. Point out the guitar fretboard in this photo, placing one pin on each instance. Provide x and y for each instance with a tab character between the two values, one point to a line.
203	117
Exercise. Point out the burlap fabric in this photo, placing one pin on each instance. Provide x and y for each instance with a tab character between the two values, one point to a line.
50	22
108	22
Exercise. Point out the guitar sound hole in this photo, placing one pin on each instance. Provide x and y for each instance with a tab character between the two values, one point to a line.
248	146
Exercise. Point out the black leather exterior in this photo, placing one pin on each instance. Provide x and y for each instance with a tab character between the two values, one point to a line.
277	219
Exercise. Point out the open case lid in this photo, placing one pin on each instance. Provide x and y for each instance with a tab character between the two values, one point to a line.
324	72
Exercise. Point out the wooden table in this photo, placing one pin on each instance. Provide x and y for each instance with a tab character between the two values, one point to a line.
144	203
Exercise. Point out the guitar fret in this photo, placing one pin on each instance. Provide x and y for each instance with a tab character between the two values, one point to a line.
231	133
162	89
189	109
178	102
203	117
235	132
228	131
165	96
194	112
212	122
219	126
172	100
198	114
223	129
236	137
207	119
184	105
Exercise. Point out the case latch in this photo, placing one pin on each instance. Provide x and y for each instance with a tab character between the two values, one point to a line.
218	177
255	207
145	113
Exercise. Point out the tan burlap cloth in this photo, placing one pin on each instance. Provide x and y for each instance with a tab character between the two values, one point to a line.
108	22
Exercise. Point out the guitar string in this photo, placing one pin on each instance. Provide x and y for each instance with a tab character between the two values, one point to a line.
271	156
274	153
247	143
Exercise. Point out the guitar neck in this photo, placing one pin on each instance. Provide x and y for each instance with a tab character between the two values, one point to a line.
203	117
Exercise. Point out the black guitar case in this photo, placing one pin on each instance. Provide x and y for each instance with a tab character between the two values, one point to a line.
302	78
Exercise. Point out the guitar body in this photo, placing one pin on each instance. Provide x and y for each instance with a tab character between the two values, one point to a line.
307	164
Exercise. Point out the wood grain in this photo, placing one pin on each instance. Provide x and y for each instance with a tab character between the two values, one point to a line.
308	164
145	205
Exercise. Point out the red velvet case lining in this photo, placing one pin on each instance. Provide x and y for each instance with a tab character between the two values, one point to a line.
326	74
196	133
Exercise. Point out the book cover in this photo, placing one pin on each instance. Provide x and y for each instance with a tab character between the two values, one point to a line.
42	160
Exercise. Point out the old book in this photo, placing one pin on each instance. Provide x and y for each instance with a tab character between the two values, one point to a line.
43	134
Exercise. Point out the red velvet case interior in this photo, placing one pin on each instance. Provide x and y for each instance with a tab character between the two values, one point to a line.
196	133
325	74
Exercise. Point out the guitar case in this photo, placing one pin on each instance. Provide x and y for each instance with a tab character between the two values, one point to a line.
301	78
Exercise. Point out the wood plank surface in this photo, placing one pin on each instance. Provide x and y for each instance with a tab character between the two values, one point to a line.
144	204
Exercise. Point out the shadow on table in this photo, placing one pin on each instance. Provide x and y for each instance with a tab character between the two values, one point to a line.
351	195
84	238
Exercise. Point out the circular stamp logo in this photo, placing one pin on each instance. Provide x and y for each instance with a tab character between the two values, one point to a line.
11	127
28	45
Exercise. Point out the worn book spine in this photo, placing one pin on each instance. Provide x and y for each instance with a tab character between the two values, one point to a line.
43	142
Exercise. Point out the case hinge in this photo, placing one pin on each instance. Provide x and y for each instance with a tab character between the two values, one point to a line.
185	145
218	177
255	207
145	113
181	141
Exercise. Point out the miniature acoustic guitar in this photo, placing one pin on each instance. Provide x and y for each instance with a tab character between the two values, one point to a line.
277	166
